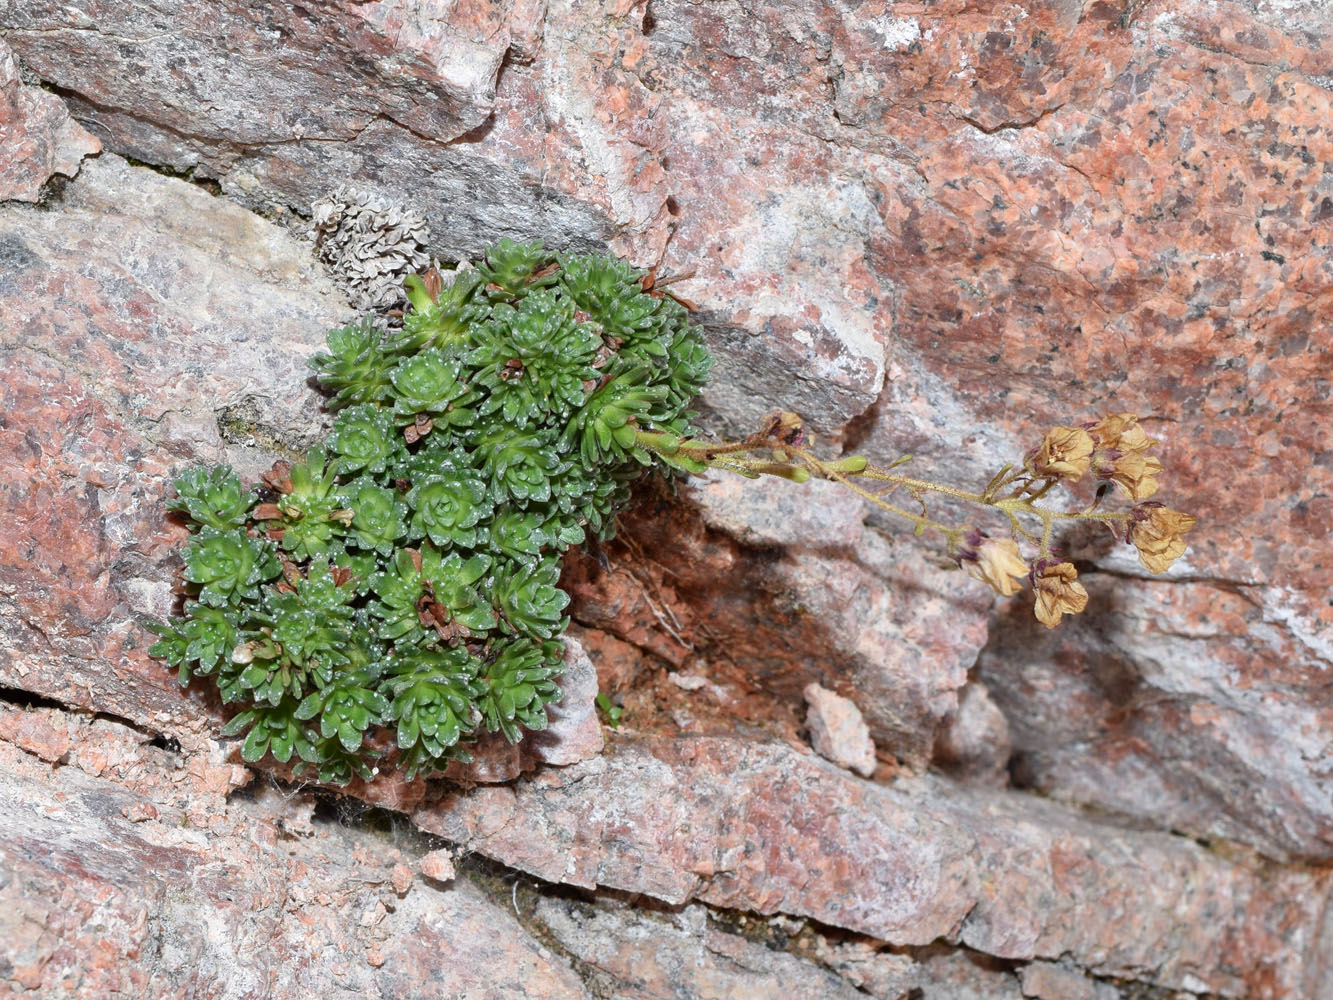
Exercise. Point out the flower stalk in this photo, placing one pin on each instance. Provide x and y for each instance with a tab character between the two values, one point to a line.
1112	450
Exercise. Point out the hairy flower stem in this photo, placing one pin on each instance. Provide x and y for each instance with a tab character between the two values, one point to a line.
797	463
1110	451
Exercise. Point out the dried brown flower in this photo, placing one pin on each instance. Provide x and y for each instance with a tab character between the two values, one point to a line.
1119	446
994	561
1065	452
786	428
267	512
1058	591
1132	471
1122	432
1157	532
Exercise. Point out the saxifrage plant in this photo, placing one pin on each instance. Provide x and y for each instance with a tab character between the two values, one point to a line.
404	577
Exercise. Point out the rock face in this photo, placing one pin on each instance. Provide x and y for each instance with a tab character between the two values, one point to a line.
38	138
837	730
866	616
934	230
237	905
761	828
138	363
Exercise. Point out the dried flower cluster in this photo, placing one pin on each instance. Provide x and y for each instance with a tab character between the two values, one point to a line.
1113	451
370	246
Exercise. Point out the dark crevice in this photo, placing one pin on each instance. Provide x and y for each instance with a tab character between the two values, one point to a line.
25	700
476	134
859	428
52	192
191	175
152	734
77	98
22	699
168	743
1009	126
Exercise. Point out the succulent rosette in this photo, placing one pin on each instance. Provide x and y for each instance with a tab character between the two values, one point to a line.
605	429
428	383
212	498
434	698
364	439
520	462
228	566
378	514
536	359
447	508
520	683
356	369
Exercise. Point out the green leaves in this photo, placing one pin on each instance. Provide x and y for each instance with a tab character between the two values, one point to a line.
309	515
346	708
405	575
453	585
528	600
378	514
313	621
444	324
520	683
511	269
535	359
434	693
212	498
399	587
446	508
197	643
520	463
356	369
607	290
365	440
228	566
604	430
271	729
429	382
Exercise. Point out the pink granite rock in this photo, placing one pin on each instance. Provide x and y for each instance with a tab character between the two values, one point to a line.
763	828
772	513
682	954
728	822
575	731
93	904
1190	702
1066	233
168	320
930	973
38	138
438	865
975	745
981	219
1049	981
1139	225
880	622
44	734
837	730
579	144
